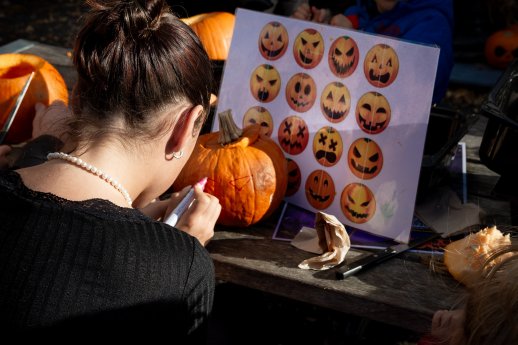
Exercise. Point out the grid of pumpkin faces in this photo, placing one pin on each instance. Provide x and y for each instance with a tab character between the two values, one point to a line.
364	157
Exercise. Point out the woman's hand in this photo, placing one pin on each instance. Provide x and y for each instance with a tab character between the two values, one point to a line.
199	220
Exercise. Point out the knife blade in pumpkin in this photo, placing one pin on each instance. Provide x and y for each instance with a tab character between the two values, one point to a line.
14	110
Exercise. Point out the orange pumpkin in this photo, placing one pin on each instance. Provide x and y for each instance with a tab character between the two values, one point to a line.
246	171
215	32
46	86
501	48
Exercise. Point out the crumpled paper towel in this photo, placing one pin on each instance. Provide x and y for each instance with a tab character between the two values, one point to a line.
329	237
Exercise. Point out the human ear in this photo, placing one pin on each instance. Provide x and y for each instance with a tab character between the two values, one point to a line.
187	127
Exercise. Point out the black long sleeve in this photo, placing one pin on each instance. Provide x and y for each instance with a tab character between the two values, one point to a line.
67	265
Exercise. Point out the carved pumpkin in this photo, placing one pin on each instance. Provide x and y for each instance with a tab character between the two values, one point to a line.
327	146
308	48
501	48
294	177
320	189
273	41
358	203
381	65
246	174
335	102
301	92
373	113
46	87
215	32
343	56
261	116
365	158
293	135
265	83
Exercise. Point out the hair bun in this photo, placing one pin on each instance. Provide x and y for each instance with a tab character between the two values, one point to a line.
137	18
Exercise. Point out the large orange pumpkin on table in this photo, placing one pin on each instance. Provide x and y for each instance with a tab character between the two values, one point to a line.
215	32
245	170
46	86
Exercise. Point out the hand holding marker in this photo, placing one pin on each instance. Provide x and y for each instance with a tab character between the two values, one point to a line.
184	204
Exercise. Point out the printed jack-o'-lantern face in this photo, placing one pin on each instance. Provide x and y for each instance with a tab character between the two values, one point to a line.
358	203
294	177
301	92
265	83
273	41
335	102
261	116
320	189
293	135
365	158
327	146
373	112
308	48
381	65
343	56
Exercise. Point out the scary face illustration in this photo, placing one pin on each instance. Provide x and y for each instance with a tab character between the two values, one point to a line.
308	48
365	158
343	56
301	92
327	146
273	41
320	189
293	135
261	116
373	112
294	177
265	83
381	65
335	102
358	203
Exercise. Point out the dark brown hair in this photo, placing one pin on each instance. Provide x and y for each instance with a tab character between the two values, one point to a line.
133	57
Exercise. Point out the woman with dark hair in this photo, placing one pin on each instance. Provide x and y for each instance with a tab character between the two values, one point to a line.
81	247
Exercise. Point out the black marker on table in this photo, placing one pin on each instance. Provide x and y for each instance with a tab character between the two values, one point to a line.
379	257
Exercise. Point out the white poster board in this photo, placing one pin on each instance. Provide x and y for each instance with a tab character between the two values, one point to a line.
349	110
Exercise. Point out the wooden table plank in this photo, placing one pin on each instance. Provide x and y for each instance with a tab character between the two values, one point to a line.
401	292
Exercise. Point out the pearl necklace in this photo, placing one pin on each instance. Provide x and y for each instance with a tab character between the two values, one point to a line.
91	169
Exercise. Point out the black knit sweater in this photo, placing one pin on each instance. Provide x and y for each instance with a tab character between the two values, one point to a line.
92	265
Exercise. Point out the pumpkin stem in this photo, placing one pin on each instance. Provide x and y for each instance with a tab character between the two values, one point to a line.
228	130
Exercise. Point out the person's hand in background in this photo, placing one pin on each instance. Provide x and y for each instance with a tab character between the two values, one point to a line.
51	120
306	12
341	21
4	161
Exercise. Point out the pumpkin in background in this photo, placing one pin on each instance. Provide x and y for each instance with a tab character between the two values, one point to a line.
215	32
501	48
46	86
245	170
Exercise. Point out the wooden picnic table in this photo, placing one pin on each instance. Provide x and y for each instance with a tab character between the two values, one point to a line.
404	291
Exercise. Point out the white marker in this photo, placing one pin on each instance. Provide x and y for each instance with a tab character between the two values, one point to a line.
184	204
